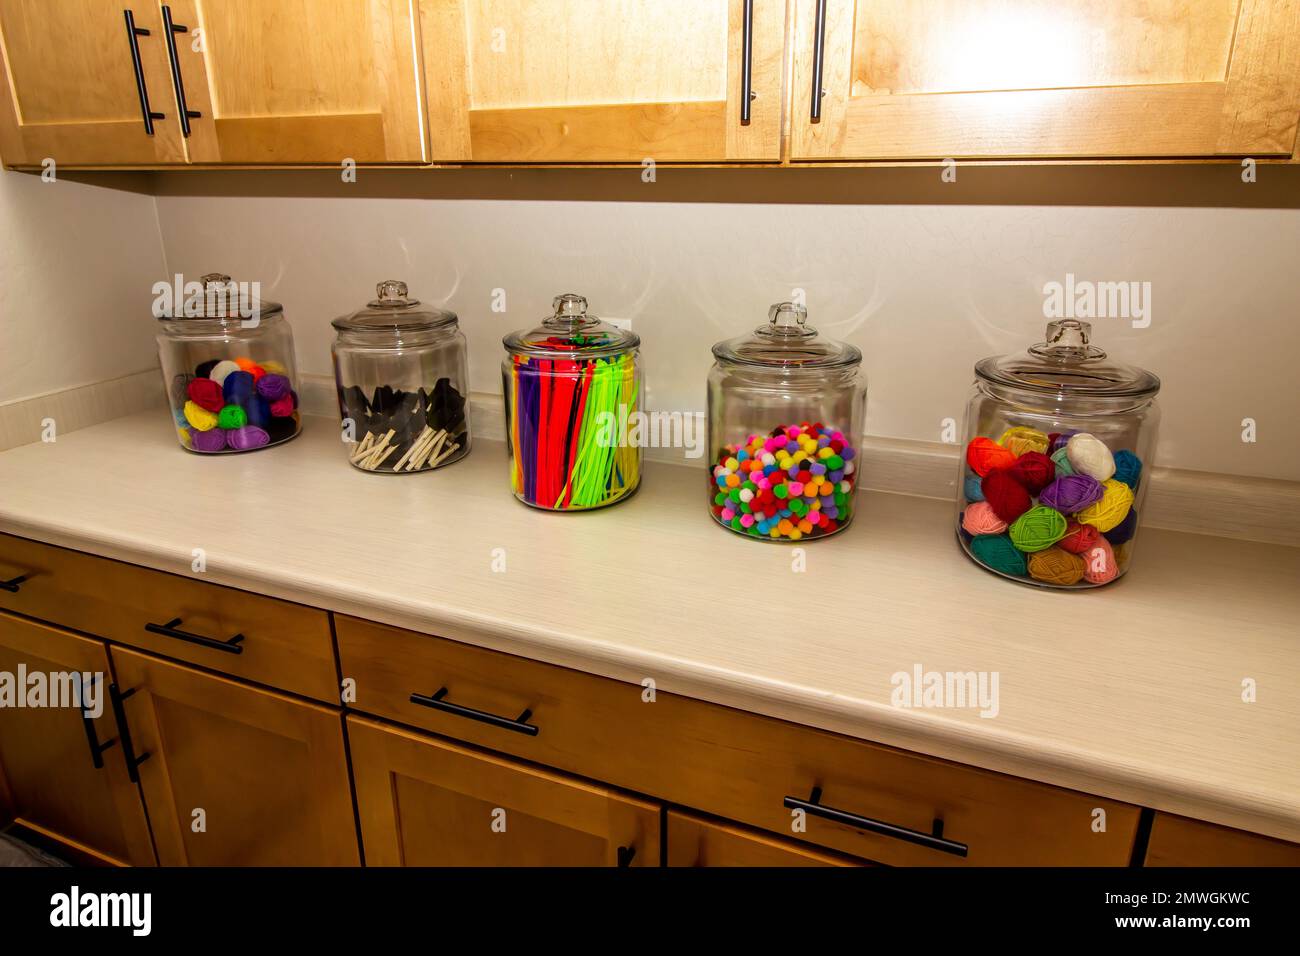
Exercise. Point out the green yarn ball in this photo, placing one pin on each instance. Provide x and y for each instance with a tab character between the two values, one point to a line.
997	552
1062	462
1038	528
232	416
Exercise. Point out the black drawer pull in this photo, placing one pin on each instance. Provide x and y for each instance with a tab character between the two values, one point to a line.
625	855
519	725
124	730
170	30
12	584
133	34
170	629
934	840
96	748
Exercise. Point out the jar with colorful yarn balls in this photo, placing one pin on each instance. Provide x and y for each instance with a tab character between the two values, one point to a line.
228	363
1056	461
786	415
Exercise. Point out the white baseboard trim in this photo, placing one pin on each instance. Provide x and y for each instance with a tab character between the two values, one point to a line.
24	420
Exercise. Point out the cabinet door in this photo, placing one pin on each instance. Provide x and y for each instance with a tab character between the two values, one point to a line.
235	775
48	775
300	81
1022	78
71	92
426	802
577	81
1178	841
695	841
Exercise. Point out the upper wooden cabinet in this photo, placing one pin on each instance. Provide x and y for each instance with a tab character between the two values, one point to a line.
1023	78
561	81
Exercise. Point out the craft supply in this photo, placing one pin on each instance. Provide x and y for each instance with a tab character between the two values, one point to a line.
1079	537
1089	456
997	552
416	425
985	455
222	370
1038	528
980	518
272	386
205	393
1071	493
1123	531
200	418
232	417
1023	439
1128	468
1005	495
1056	566
1061	461
1116	500
972	488
210	441
1033	470
1099	564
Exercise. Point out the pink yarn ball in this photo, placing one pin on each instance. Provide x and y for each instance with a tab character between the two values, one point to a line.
981	519
1099	564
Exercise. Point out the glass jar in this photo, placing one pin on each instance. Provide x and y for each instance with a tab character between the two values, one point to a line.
572	385
402	379
1058	446
786	415
228	363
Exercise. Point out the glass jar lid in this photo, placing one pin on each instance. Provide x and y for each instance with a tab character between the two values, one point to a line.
1067	362
571	333
219	297
787	341
394	311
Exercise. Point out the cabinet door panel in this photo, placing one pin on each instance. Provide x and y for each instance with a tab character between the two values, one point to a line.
1075	78
695	841
571	81
48	779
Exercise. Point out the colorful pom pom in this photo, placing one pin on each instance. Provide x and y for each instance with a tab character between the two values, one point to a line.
1113	507
979	518
1089	456
1055	566
1128	468
199	417
1071	493
1005	495
1038	528
1033	470
205	393
1021	439
984	455
997	552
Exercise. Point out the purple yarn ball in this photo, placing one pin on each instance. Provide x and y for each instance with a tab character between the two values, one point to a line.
1060	441
250	436
271	386
1072	493
212	440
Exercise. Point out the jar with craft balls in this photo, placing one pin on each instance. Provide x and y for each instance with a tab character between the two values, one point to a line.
786	416
403	378
228	364
1057	461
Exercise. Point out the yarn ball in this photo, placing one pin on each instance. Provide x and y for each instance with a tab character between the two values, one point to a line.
1034	471
985	455
1071	493
184	435
221	370
180	390
1113	507
251	367
997	552
1089	456
294	396
200	418
1038	528
250	436
274	368
210	441
1057	440
272	386
1055	566
1021	439
237	388
231	417
205	393
282	407
1062	462
281	429
1124	530
1005	495
259	411
1099	564
979	518
1128	468
973	490
204	369
1079	538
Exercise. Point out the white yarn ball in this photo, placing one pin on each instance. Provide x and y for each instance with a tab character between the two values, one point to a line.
1089	455
221	370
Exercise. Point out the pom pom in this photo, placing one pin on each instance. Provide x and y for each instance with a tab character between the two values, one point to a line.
1005	495
237	388
1079	538
1034	471
282	407
980	519
205	393
997	552
1071	493
1124	530
1038	528
985	455
231	417
210	441
973	490
1099	564
242	439
204	369
272	386
1114	506
1089	456
1128	468
1062	462
1021	439
221	370
200	418
1055	566
259	411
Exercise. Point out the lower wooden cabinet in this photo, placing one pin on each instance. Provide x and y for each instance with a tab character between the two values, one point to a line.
236	775
1178	841
695	841
50	777
427	802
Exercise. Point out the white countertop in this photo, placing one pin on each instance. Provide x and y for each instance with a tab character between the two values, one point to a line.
1132	692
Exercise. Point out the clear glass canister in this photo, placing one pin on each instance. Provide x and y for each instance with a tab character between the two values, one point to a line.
1056	464
403	379
786	415
572	385
228	362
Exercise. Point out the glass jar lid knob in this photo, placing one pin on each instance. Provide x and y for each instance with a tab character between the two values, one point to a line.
216	280
788	319
392	294
1067	340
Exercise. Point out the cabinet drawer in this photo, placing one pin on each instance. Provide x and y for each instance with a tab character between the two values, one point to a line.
284	645
727	762
695	841
1178	841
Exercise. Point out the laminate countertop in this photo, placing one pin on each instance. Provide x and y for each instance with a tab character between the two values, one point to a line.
1140	691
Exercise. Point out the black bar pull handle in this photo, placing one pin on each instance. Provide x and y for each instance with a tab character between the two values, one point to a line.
625	855
96	748
172	629
12	584
747	62
934	839
438	701
819	56
133	761
133	33
170	29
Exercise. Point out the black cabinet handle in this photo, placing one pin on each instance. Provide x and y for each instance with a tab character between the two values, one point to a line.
170	30
171	629
819	55
133	762
133	33
12	584
96	748
934	839
438	702
625	855
747	62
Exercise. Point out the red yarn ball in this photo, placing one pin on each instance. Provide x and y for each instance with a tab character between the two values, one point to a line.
1006	496
206	393
985	455
1079	538
1034	471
